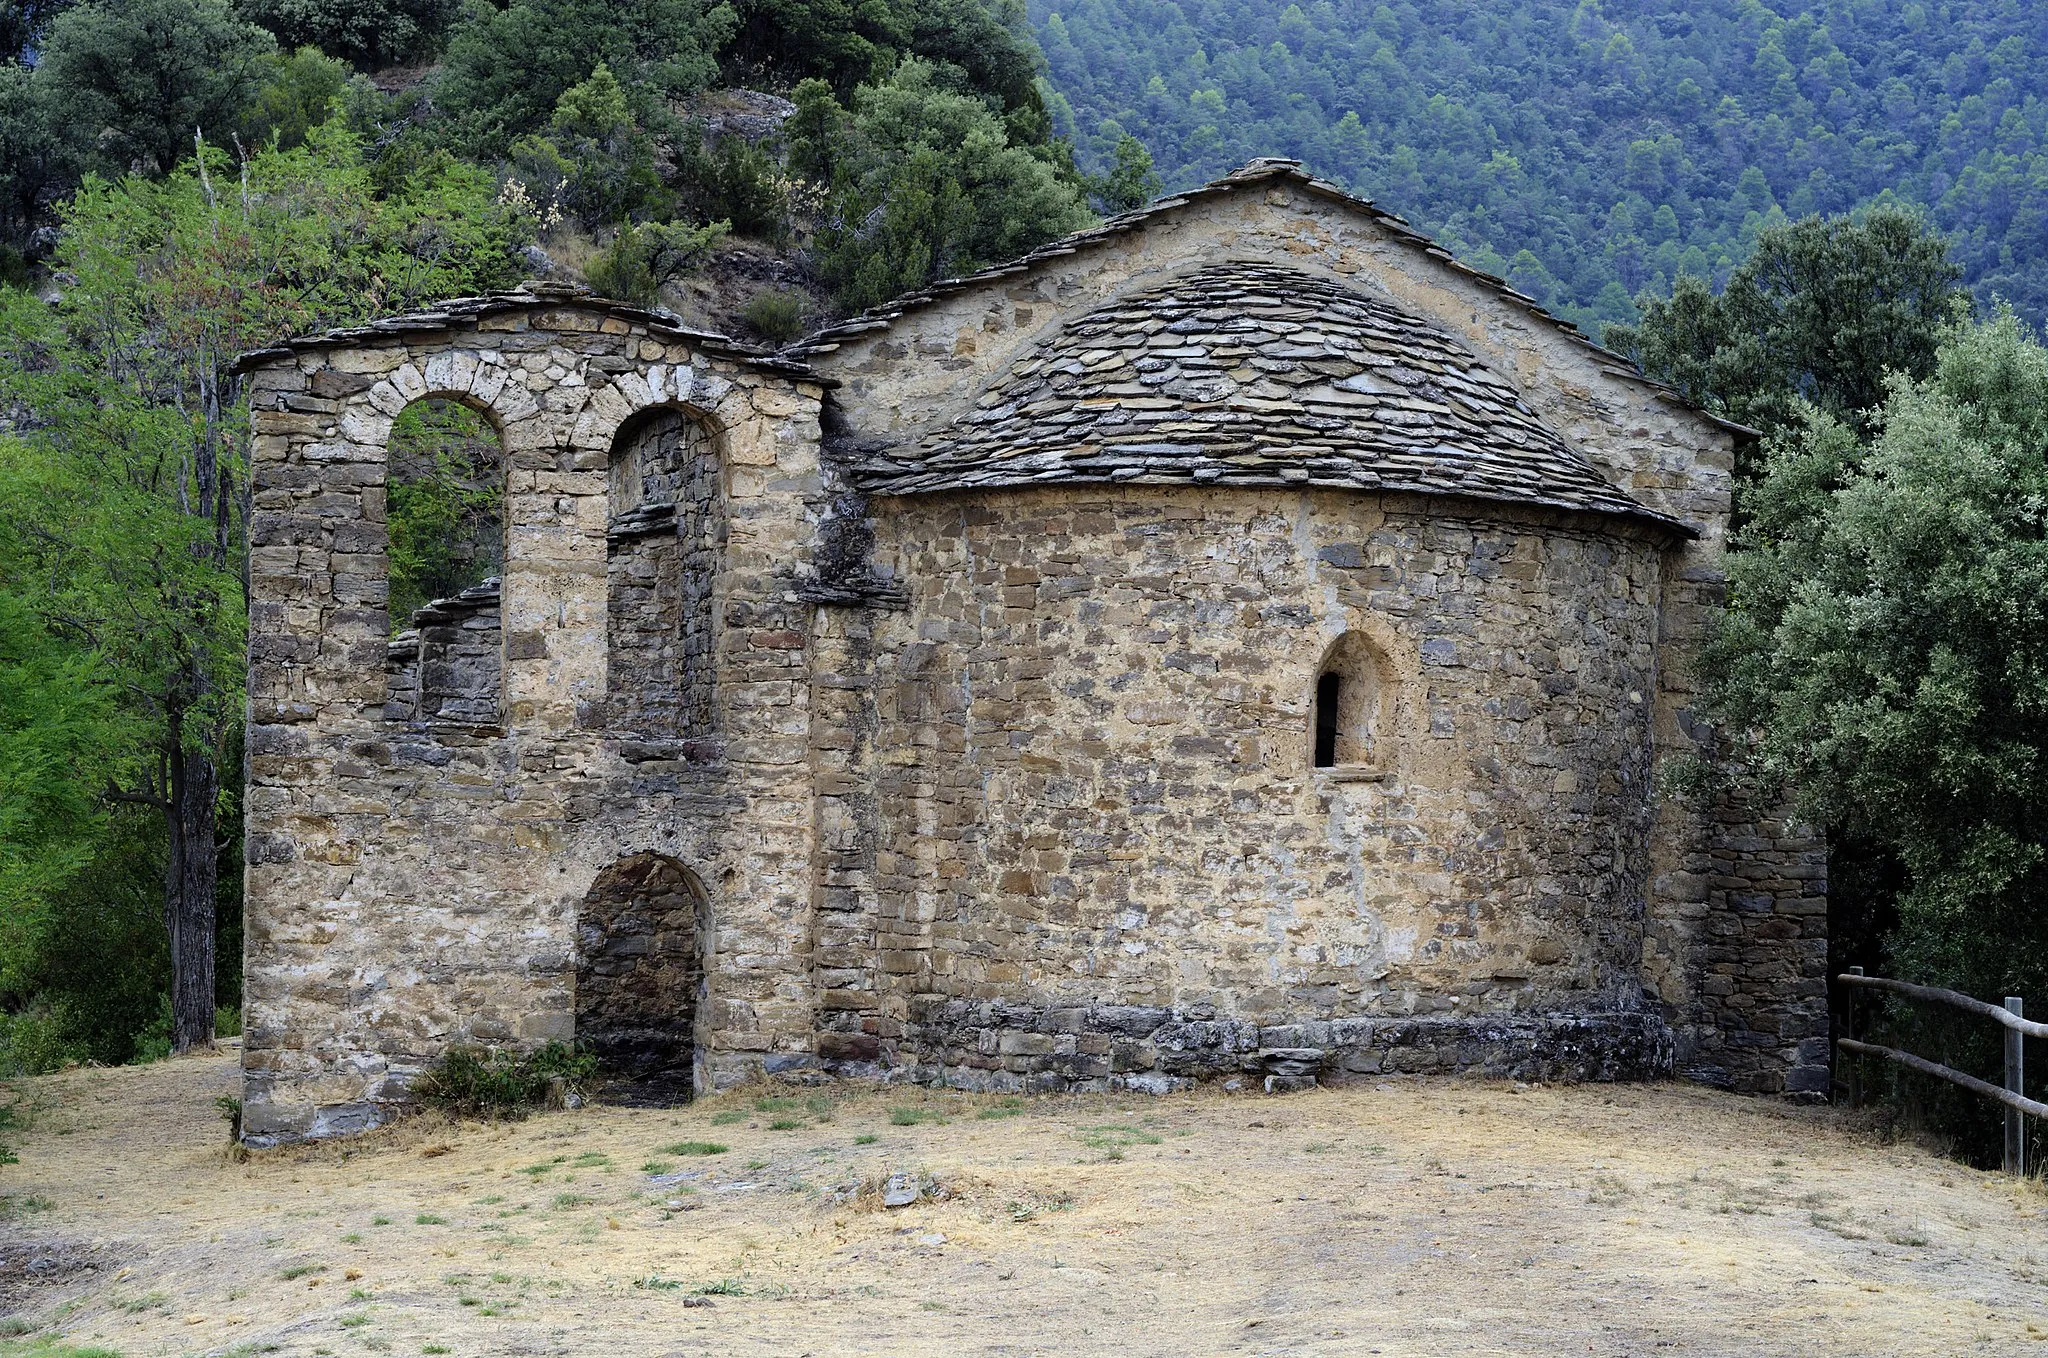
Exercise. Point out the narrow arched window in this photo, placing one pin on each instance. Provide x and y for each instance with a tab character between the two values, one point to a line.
1329	692
1348	706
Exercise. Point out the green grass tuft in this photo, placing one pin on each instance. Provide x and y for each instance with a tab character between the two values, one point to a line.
695	1148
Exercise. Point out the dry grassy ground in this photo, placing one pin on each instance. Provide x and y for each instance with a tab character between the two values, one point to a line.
1404	1218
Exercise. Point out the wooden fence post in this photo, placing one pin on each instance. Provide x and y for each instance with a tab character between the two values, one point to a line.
1855	1080
2016	1081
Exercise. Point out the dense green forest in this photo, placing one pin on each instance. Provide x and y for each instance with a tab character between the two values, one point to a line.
1589	151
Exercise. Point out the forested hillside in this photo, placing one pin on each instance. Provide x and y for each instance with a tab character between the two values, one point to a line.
1590	151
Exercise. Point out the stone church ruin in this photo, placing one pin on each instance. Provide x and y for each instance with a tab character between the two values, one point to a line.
1237	640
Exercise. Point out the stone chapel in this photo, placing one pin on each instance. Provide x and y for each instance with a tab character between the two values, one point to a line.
1237	640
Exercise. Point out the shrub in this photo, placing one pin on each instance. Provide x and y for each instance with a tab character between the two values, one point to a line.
153	1043
775	316
732	179
641	260
299	92
34	1042
593	161
371	33
495	1083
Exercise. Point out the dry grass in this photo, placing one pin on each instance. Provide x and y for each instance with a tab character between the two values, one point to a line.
1408	1218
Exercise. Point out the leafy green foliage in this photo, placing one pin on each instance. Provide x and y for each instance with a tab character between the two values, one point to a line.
1886	653
1619	145
1819	314
732	180
777	317
504	1084
593	162
1131	182
848	44
368	33
10	1119
508	65
134	79
37	158
300	91
641	260
445	505
924	182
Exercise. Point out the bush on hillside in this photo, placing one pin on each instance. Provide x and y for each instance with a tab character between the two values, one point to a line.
641	260
776	316
370	33
924	181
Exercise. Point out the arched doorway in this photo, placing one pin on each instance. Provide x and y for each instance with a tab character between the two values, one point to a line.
640	977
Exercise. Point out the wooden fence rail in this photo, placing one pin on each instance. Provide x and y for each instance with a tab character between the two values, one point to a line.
2018	1028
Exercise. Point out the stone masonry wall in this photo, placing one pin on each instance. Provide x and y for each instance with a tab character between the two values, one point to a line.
907	381
1094	793
412	884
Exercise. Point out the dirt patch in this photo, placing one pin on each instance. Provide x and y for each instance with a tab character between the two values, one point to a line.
1404	1218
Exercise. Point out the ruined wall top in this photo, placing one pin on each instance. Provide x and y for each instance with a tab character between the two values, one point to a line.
469	312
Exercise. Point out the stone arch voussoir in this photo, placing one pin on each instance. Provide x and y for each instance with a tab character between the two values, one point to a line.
477	378
693	389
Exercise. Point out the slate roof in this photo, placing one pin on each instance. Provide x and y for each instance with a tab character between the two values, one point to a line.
465	311
1253	175
1252	374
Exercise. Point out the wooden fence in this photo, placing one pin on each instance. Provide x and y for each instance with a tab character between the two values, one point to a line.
2018	1028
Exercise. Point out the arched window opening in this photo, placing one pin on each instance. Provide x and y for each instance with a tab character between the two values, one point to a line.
445	515
640	977
1329	691
1348	708
664	534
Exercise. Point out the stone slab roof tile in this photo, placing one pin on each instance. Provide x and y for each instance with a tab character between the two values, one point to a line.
1251	175
1403	405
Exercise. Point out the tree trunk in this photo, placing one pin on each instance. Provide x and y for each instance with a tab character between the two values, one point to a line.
189	893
